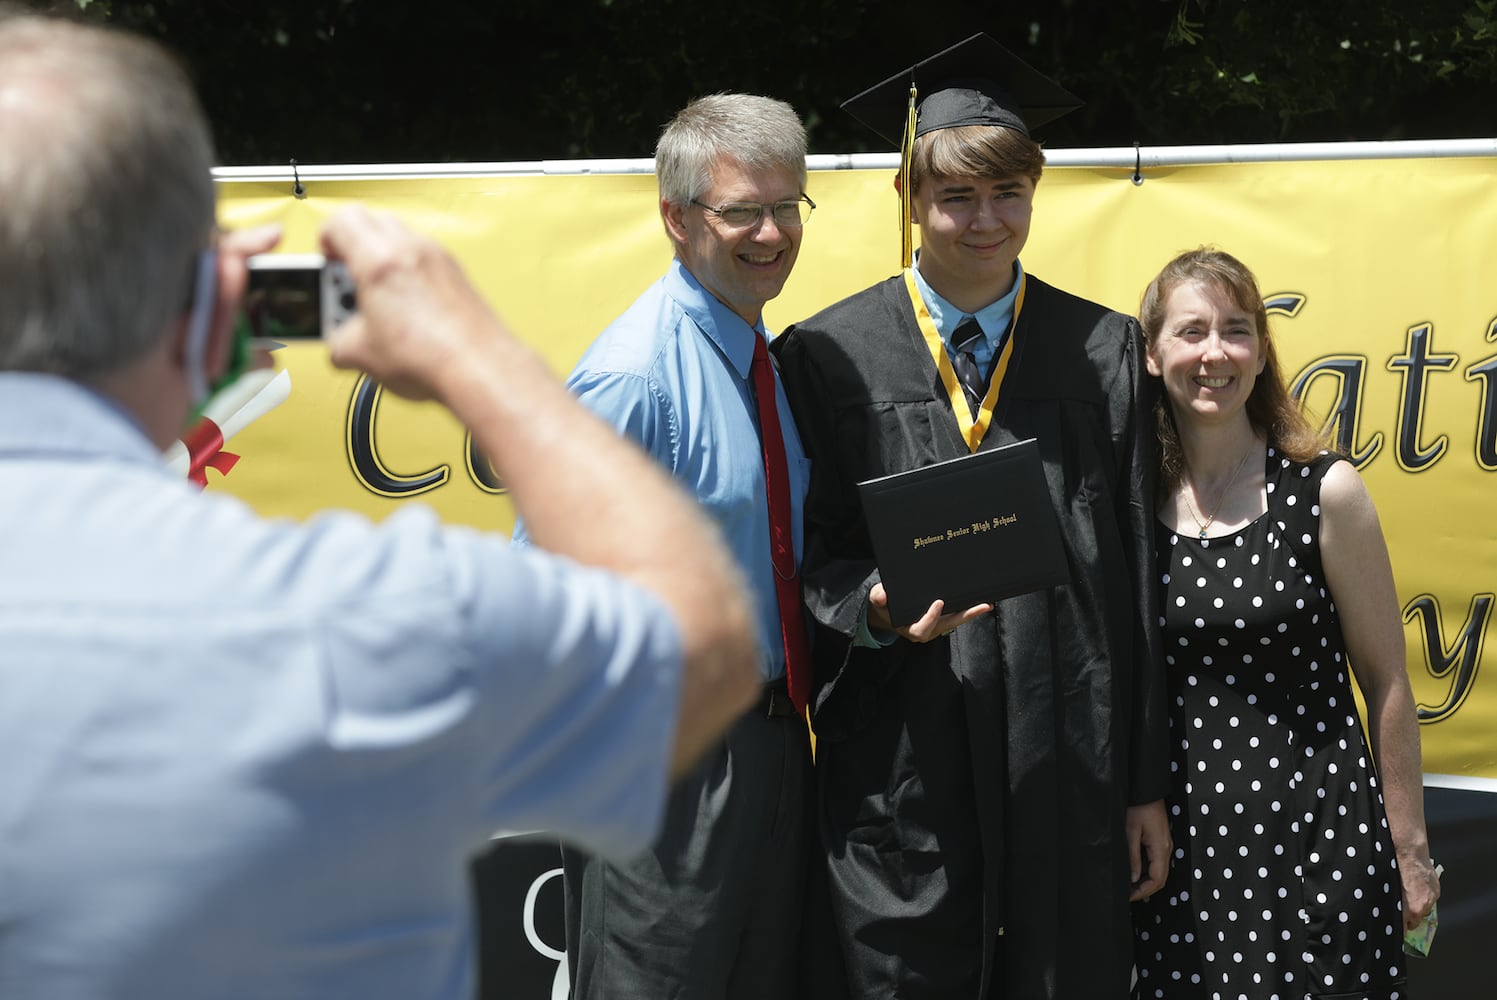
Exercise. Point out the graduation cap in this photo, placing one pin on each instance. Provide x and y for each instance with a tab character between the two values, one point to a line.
974	82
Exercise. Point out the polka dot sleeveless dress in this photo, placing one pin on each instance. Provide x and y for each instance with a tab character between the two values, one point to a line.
1283	883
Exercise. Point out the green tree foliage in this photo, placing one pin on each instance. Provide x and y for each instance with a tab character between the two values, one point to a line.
1334	69
350	81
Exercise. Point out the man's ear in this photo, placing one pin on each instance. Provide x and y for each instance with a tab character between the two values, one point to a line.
228	293
191	336
674	217
204	363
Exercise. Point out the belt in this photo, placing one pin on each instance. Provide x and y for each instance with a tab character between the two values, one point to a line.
774	701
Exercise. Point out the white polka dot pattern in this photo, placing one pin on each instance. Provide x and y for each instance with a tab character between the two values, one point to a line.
1283	884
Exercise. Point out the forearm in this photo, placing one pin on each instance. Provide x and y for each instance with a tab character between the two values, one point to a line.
1395	745
424	332
587	493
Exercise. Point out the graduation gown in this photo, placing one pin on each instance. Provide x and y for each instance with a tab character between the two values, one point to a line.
972	790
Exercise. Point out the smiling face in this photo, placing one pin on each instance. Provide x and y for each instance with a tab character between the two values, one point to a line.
742	268
971	232
1209	353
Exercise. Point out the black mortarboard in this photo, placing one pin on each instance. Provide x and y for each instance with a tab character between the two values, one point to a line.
975	82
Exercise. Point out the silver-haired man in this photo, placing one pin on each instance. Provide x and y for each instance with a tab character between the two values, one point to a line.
714	909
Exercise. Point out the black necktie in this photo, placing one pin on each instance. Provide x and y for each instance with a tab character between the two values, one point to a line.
964	340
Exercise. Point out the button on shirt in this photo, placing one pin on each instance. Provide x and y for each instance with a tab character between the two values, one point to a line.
672	373
250	759
994	319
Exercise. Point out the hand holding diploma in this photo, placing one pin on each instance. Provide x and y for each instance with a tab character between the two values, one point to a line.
932	625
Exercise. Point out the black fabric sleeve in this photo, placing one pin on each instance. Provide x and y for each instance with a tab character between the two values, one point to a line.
1132	416
837	567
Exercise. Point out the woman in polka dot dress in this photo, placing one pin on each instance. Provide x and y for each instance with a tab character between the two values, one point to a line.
1299	857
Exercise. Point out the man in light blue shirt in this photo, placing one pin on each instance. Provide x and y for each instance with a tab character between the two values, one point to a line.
713	910
250	759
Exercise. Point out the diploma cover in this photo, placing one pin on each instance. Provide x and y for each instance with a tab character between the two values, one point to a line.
972	530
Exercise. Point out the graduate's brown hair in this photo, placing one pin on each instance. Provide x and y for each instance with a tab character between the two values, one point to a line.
1271	411
988	151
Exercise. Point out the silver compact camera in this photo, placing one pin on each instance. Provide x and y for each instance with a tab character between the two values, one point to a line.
296	296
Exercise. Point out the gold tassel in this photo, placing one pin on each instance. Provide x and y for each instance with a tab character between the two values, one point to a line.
906	154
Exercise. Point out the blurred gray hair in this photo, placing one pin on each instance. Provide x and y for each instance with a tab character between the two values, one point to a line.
756	132
106	183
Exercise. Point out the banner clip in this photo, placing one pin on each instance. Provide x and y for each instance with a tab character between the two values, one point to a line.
297	188
1138	174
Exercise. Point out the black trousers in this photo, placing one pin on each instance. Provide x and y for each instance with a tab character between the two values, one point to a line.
713	910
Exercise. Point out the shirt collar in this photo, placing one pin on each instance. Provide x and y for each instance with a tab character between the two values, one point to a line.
719	324
994	317
49	414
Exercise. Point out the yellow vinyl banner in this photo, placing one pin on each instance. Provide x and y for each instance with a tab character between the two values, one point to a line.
1379	275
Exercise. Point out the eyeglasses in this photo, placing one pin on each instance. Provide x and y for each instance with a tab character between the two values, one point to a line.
746	214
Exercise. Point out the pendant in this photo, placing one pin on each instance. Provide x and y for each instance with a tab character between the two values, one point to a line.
1203	533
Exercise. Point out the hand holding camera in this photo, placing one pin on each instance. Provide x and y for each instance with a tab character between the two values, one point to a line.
415	317
296	296
420	327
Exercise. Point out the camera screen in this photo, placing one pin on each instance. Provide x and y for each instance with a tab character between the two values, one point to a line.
284	303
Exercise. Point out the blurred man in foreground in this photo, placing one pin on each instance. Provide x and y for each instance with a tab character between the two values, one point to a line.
250	759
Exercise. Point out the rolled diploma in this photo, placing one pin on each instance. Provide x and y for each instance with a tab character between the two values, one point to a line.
247	399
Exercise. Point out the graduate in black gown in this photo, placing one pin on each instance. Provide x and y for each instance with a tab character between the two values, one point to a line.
989	778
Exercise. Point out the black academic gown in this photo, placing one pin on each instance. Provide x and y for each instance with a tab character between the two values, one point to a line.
972	790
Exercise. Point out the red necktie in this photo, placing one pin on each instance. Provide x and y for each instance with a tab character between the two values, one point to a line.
781	531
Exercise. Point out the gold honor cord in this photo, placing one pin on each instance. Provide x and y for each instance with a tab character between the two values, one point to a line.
906	154
972	430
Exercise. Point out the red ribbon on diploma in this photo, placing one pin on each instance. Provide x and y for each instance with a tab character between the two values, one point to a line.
204	444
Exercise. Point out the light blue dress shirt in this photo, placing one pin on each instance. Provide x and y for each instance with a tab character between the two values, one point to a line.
994	319
672	373
250	759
